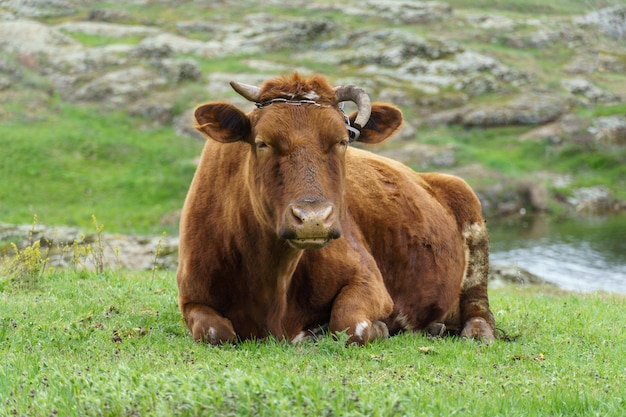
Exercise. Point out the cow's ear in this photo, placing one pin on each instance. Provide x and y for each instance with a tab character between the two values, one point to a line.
385	121
222	122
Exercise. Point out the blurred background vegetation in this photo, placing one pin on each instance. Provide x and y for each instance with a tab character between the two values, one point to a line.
524	99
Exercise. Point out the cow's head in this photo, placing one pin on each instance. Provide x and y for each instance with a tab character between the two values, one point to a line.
298	137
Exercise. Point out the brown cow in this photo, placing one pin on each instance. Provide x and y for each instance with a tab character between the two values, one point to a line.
286	228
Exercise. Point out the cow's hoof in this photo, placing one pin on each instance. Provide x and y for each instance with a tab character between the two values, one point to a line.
365	332
215	333
311	334
380	329
436	329
478	328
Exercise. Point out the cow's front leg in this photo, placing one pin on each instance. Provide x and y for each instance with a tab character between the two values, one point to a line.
207	325
359	309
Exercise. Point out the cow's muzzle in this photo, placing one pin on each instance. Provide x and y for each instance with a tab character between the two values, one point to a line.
310	224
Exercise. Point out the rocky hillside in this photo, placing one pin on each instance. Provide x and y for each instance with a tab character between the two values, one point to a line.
524	100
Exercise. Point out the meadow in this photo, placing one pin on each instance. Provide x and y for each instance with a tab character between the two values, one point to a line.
113	344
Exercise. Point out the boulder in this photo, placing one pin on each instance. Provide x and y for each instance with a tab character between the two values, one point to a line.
610	130
422	156
409	12
164	45
29	36
568	128
530	109
111	30
590	92
264	32
610	20
39	8
69	247
106	15
501	273
589	61
178	70
392	48
87	61
119	87
491	21
596	199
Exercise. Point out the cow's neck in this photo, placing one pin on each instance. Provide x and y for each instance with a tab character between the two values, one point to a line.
277	301
276	263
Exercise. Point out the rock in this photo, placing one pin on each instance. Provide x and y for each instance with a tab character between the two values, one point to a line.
178	70
10	73
67	247
484	21
119	87
596	199
503	196
87	62
393	48
593	94
160	112
610	20
197	26
569	127
422	156
28	36
514	274
164	45
184	126
111	30
265	32
544	38
409	12
106	15
38	8
532	109
610	130
538	196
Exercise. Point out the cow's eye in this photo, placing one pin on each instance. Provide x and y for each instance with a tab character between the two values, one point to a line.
260	144
343	143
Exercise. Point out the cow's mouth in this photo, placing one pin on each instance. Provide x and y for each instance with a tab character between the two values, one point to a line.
309	243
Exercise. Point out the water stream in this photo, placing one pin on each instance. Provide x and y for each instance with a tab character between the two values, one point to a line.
582	254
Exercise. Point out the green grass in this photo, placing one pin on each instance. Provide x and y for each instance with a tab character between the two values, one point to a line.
534	7
114	344
76	162
98	40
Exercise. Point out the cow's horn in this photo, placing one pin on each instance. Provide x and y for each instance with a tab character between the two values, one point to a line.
358	96
248	91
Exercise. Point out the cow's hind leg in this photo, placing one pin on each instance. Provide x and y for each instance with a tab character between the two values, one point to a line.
476	317
207	325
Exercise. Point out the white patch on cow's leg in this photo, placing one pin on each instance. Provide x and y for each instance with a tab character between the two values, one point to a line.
476	261
476	319
360	328
212	333
299	337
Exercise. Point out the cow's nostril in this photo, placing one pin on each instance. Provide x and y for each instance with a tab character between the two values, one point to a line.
299	214
316	214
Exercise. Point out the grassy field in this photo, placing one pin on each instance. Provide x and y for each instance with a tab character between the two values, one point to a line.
75	162
113	344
